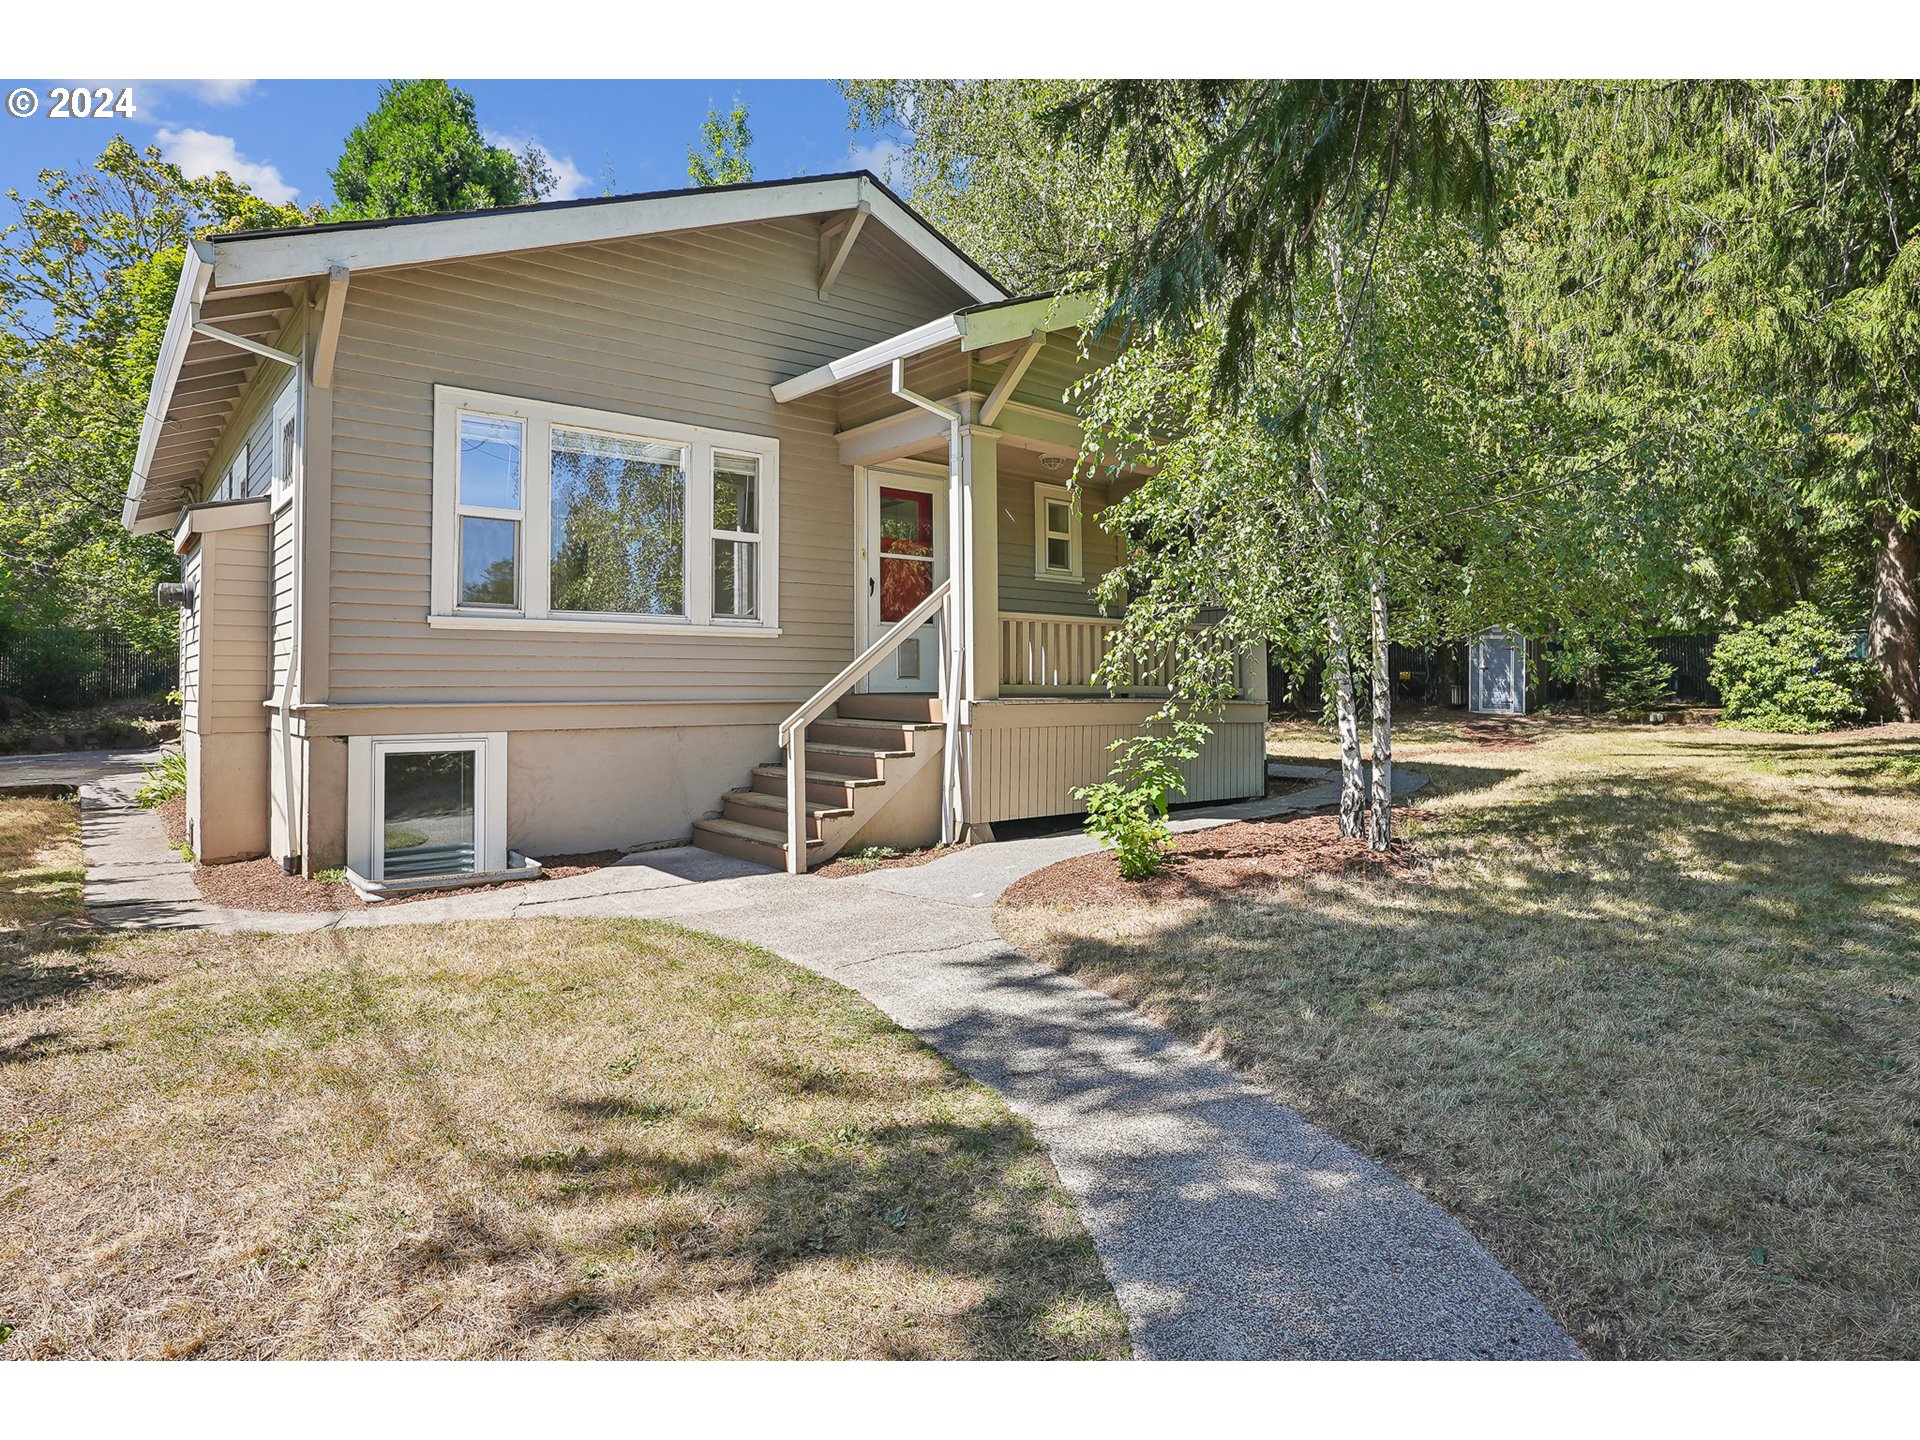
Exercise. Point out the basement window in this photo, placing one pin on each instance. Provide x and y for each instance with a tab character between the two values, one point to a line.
423	808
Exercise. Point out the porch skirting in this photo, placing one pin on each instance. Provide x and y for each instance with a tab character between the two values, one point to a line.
1027	756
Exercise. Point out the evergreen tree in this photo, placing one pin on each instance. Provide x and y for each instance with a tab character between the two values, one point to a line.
1729	274
421	152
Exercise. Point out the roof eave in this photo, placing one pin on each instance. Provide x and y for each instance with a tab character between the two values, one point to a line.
975	329
277	257
196	275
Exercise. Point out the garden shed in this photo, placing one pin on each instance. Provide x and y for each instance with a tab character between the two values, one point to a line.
1497	673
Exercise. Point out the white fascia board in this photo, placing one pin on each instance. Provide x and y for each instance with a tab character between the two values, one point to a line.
929	246
975	330
276	259
986	328
196	274
917	341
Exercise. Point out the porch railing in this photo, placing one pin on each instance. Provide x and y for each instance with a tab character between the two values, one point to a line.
1060	655
793	730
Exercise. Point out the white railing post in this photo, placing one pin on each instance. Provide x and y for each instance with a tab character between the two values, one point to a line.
793	730
949	689
797	802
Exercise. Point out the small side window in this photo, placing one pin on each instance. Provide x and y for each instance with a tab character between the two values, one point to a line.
491	509
1056	533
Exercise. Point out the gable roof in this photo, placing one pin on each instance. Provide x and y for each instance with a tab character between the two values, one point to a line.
252	276
264	256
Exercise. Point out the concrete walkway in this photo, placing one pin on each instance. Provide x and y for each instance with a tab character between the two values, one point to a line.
1230	1228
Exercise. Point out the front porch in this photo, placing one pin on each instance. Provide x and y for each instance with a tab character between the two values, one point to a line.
977	628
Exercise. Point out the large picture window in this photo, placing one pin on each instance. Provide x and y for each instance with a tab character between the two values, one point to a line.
560	515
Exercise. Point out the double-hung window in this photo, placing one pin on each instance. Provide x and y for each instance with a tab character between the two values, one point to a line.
490	505
1056	533
561	515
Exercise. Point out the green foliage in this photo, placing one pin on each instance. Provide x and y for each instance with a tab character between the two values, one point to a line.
1635	677
727	139
48	666
166	779
421	152
87	275
1796	672
1723	280
1253	179
1038	210
1128	810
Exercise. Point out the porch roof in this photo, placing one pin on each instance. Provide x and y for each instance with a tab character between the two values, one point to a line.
971	328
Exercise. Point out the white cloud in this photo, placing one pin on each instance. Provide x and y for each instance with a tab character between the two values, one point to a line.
200	154
882	157
570	182
211	92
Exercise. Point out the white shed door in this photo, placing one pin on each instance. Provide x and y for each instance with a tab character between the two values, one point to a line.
1497	675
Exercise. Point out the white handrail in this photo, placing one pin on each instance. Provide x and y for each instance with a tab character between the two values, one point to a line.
793	730
863	663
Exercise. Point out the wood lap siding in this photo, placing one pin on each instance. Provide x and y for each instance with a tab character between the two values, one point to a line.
1024	771
234	630
1020	588
692	328
190	573
282	561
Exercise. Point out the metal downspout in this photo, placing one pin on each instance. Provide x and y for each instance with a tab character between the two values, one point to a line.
960	564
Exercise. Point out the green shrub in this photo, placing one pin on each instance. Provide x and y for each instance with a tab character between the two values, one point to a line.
1636	678
1796	672
166	779
1128	810
50	668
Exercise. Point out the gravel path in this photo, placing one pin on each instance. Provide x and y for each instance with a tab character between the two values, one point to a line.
1230	1228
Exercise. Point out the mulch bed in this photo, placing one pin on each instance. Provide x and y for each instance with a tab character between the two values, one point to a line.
843	866
1241	859
263	885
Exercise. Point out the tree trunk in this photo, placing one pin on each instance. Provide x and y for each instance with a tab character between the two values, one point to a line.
1380	824
1893	632
1347	712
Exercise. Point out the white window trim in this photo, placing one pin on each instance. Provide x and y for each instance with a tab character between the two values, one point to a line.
232	484
534	612
285	458
1042	493
366	795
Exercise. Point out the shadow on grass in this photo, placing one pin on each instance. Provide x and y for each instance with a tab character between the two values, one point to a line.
1651	1032
736	1204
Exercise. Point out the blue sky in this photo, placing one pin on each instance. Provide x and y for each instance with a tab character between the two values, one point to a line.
282	136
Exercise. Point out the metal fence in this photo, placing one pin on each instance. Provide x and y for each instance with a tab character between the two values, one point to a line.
1434	673
68	669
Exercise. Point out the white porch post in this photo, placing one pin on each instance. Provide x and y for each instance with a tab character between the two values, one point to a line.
980	454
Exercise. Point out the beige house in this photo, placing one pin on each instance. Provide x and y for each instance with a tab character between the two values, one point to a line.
738	515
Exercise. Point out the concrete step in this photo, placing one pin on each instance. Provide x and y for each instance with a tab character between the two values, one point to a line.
751	807
860	761
835	790
914	709
753	843
891	737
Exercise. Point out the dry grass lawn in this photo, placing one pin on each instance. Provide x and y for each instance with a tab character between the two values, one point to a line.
551	1139
1644	1011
